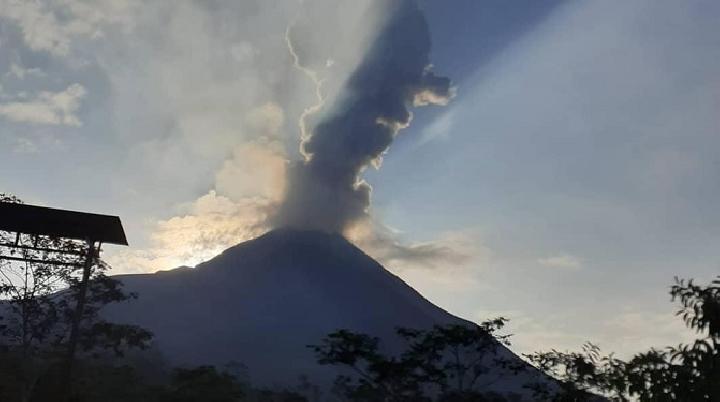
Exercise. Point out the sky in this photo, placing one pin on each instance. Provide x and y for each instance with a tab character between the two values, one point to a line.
571	176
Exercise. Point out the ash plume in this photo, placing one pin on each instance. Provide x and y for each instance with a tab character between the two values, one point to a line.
325	191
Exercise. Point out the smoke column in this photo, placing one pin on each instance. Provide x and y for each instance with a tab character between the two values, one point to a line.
325	190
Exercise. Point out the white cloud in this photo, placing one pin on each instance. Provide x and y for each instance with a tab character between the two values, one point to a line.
451	250
560	261
531	334
628	331
25	146
248	187
189	94
53	108
52	26
202	103
40	28
452	262
255	169
209	100
211	224
21	72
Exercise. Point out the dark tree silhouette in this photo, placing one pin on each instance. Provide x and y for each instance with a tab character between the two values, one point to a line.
688	372
462	358
203	383
208	384
451	362
37	307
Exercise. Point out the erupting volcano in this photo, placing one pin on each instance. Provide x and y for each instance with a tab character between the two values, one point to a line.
262	302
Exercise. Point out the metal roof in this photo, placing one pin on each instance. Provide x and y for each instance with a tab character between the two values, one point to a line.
33	219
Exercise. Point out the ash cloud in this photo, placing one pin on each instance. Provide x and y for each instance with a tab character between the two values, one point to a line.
325	191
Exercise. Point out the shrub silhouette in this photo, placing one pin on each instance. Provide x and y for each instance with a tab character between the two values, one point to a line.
687	372
451	362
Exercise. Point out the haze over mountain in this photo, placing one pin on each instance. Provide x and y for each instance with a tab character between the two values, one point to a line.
262	302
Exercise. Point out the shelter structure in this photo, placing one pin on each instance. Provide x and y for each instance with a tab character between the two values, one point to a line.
42	235
23	219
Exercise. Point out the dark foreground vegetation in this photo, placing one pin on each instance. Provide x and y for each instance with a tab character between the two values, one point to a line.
445	363
448	363
687	372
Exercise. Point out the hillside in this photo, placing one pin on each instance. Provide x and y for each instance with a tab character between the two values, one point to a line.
261	302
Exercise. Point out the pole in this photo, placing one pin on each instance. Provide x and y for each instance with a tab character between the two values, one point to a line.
77	317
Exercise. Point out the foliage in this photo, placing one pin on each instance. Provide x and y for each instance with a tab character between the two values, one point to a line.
445	362
689	372
458	363
38	304
455	357
110	380
700	305
202	383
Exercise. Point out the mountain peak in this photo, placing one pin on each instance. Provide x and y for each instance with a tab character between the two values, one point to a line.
295	249
289	238
261	302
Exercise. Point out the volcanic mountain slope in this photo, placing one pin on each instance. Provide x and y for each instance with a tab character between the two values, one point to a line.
261	302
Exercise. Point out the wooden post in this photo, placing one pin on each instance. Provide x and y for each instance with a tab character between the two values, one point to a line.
77	317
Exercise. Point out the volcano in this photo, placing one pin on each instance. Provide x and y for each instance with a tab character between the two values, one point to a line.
261	303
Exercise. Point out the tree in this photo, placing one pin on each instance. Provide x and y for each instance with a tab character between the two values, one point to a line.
461	359
445	362
689	372
379	377
38	304
203	383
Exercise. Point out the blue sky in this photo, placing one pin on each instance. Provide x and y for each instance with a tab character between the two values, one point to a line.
572	176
